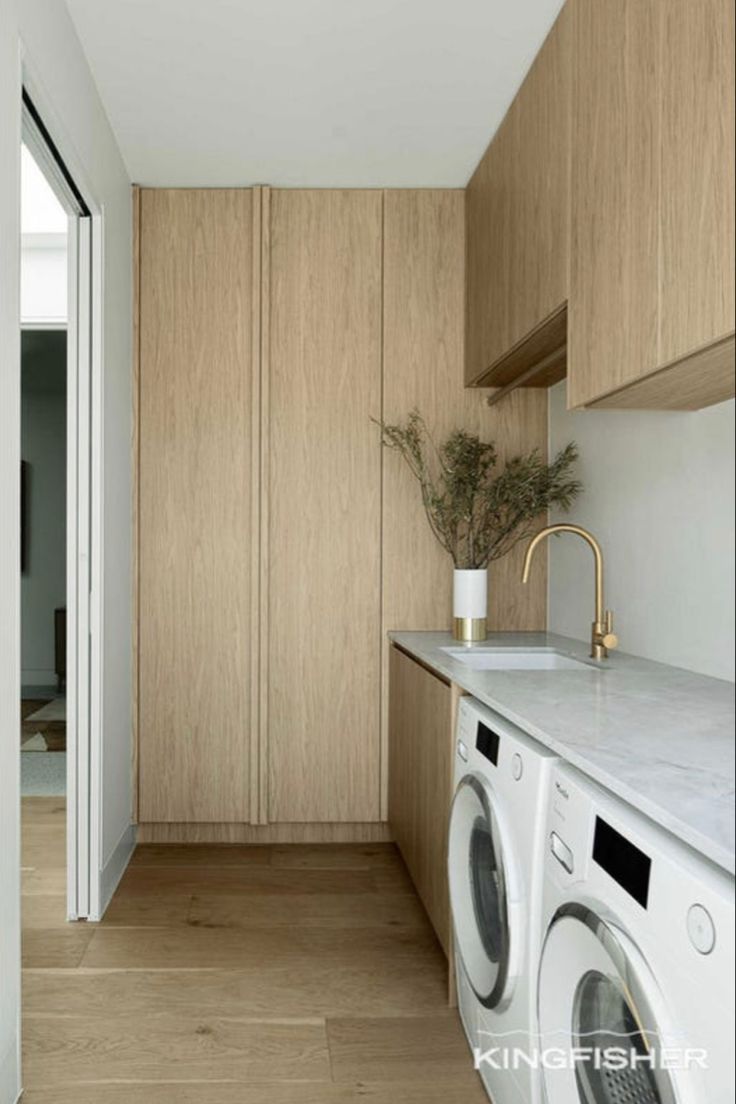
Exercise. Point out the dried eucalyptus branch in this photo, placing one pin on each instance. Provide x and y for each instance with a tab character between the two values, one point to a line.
476	514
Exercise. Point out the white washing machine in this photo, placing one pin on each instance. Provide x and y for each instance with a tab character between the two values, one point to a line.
637	968
495	854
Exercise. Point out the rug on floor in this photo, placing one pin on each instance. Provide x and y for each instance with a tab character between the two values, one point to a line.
43	774
43	724
50	711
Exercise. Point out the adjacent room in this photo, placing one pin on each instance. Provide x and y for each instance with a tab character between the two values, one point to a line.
43	516
43	484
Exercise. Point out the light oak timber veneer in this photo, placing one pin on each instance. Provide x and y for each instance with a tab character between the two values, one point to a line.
423	367
698	232
195	407
612	313
517	212
350	306
651	311
324	505
420	781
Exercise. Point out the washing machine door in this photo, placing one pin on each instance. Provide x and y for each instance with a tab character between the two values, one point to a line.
602	1018
480	876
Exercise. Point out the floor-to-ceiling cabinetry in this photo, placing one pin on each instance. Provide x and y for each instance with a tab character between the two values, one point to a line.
277	542
323	487
195	539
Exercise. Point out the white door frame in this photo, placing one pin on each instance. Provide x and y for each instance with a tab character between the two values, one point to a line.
84	513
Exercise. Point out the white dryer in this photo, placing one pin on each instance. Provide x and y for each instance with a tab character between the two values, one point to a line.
636	979
495	854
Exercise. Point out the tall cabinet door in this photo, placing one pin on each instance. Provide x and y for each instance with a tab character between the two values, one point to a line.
195	493
322	384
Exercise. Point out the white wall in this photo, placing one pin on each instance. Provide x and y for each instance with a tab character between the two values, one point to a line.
43	583
43	278
659	494
65	93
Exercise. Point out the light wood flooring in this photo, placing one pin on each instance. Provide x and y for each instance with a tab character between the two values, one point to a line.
236	975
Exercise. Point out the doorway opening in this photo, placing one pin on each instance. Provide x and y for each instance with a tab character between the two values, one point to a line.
56	535
43	484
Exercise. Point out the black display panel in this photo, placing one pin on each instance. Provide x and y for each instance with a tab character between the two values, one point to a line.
626	864
487	742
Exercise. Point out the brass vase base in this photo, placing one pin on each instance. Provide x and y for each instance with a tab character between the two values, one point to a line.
470	629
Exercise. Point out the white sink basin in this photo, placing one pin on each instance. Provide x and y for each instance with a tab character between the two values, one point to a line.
515	659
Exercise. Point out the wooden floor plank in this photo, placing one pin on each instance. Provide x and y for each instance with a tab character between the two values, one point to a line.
200	854
195	947
43	846
244	879
236	975
272	1092
127	911
346	856
56	947
384	988
424	1048
399	910
392	879
45	881
43	910
164	1048
36	811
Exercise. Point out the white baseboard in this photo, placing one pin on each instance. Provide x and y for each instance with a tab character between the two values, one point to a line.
114	868
38	678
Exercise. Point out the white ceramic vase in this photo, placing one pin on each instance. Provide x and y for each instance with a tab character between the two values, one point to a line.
470	604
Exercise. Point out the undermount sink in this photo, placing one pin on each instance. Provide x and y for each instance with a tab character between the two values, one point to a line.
515	659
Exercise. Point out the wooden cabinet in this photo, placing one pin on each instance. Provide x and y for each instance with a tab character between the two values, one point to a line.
195	493
423	367
421	726
651	310
323	493
278	542
517	231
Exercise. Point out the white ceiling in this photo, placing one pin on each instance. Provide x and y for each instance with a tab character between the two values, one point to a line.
311	93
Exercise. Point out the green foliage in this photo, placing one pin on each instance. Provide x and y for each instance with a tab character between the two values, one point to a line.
477	513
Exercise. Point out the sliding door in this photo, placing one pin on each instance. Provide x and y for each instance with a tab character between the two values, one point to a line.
197	318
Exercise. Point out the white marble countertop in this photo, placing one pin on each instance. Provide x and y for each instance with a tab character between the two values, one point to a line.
659	737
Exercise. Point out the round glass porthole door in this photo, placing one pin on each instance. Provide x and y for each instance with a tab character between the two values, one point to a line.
600	1017
478	891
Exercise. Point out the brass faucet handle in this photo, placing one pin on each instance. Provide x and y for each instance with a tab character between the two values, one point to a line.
609	638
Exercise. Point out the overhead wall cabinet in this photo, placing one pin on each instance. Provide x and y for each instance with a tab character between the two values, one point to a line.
651	314
600	221
277	542
517	232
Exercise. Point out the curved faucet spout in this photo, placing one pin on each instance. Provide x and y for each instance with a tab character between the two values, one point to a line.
602	637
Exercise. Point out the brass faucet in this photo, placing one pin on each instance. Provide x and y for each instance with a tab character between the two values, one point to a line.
602	637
